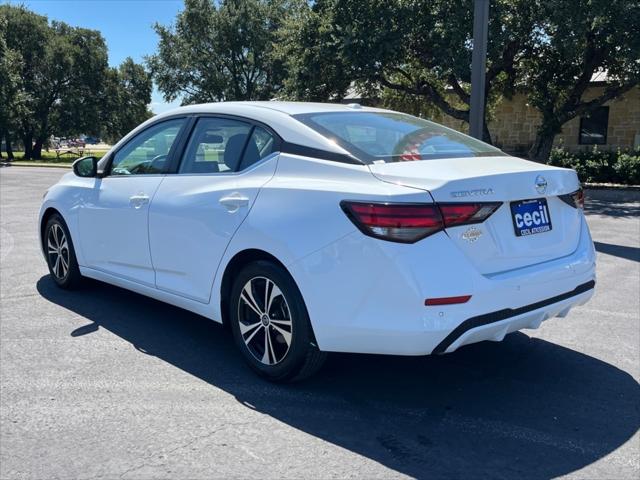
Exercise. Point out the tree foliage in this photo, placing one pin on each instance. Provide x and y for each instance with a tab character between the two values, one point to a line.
61	73
12	98
314	54
124	99
416	54
418	48
221	51
575	40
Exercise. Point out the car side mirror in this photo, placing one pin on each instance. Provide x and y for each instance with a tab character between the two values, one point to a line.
86	167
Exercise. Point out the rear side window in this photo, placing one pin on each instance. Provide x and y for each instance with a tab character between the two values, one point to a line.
215	146
221	145
260	144
394	137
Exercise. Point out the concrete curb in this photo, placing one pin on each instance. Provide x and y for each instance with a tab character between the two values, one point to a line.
34	164
616	195
610	186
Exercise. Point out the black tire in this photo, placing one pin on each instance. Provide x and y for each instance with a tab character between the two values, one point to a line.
283	362
65	256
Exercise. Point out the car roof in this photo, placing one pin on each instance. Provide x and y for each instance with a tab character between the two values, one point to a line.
277	115
289	108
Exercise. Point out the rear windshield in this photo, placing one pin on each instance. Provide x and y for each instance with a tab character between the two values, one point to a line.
394	137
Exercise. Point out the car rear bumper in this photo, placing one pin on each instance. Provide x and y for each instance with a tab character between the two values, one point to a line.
368	296
495	325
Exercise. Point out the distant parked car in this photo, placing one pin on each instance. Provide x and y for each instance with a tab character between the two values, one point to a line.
313	228
91	140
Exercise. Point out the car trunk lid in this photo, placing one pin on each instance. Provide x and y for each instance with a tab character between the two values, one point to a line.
493	245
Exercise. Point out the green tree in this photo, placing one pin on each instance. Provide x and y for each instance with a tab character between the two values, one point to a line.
124	99
313	53
58	81
220	51
12	99
419	48
26	34
61	72
575	40
76	110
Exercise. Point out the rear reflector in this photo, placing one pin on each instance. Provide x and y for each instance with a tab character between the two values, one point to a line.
447	300
410	222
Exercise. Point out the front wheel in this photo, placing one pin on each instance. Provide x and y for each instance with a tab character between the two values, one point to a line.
271	325
61	257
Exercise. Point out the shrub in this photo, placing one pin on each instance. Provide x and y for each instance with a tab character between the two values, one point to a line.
628	167
600	166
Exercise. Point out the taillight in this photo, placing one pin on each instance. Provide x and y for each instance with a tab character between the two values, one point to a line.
410	222
575	199
397	222
578	198
455	214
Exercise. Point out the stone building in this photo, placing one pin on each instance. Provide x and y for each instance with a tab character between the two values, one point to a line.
513	124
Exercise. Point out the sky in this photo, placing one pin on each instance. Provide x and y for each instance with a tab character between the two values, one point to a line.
126	26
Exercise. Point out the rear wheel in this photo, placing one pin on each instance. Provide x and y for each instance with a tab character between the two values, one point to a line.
61	257
270	323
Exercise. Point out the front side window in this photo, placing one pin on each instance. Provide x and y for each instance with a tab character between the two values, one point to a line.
147	153
593	128
394	137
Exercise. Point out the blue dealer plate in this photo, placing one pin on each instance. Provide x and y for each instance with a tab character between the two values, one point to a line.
530	216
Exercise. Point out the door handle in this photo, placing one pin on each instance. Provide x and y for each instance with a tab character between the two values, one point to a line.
139	200
234	201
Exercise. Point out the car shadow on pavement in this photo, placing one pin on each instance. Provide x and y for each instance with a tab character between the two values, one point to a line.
622	251
520	408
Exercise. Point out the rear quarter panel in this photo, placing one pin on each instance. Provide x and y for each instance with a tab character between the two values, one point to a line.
298	211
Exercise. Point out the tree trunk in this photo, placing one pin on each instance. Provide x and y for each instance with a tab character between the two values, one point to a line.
551	126
37	149
28	146
7	137
486	134
541	148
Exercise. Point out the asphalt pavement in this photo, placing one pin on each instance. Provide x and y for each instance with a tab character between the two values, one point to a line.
104	383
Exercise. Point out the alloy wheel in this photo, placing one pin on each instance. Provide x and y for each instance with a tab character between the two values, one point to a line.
265	320
58	251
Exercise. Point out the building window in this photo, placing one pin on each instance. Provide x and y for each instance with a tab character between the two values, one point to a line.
593	128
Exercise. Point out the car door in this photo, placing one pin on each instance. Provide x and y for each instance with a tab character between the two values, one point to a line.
113	218
196	211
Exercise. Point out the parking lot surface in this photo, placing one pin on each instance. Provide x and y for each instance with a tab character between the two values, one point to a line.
104	383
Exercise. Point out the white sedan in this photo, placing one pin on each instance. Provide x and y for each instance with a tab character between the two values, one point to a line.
313	228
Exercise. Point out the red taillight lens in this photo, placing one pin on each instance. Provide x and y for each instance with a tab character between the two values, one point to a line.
410	222
455	214
397	222
575	199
